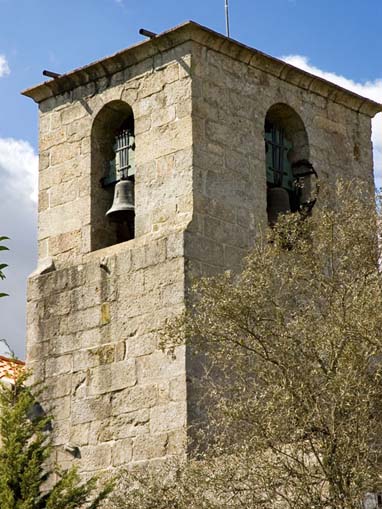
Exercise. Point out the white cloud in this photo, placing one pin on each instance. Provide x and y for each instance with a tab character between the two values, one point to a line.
18	214
18	168
4	67
370	89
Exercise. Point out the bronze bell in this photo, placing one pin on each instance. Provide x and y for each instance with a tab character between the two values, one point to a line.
277	203
122	208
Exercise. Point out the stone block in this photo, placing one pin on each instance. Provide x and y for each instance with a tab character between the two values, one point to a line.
178	389
62	408
137	346
149	85
122	426
122	452
150	254
50	327
90	358
112	377
43	200
92	337
64	242
79	129
63	219
145	448
177	443
159	366
168	417
72	113
59	365
223	232
178	92
95	457
64	152
204	250
79	434
57	305
162	117
66	192
56	387
81	320
142	124
234	257
90	409
164	140
60	433
53	138
136	398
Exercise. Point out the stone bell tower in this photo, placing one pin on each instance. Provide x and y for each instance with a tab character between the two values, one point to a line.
177	125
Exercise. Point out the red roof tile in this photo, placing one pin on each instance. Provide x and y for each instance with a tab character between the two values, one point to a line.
9	368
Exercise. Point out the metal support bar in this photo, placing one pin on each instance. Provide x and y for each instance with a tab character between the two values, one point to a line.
51	74
147	33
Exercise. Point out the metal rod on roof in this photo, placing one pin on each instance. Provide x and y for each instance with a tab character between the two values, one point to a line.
227	17
51	74
147	33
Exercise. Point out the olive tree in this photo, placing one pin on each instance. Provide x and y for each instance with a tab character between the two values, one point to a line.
292	350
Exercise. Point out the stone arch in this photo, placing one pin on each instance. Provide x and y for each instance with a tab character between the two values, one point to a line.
113	118
287	161
288	119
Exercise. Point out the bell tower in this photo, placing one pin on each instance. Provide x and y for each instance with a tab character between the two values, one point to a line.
159	164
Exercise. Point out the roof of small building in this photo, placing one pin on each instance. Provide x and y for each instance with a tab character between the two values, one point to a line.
191	31
10	369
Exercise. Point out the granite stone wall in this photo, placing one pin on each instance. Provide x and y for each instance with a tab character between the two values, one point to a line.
93	342
159	92
230	103
200	195
93	319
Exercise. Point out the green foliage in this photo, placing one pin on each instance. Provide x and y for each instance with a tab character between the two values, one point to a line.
290	405
24	453
3	265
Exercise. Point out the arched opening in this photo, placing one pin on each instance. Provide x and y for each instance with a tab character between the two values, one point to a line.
112	178
288	170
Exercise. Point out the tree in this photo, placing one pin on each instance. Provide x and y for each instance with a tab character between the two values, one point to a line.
292	391
25	479
3	265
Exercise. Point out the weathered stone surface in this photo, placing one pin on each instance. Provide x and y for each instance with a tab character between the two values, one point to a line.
95	458
131	424
200	202
150	447
167	417
122	452
112	377
90	409
159	366
135	398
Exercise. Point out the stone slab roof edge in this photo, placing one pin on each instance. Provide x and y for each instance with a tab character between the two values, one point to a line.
207	37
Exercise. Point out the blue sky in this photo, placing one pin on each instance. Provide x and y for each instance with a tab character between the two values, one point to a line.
338	39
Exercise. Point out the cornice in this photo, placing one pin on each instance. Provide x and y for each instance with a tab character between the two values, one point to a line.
191	31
